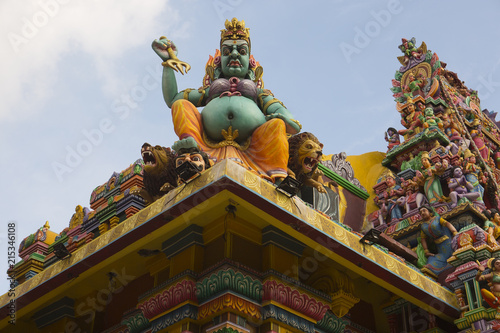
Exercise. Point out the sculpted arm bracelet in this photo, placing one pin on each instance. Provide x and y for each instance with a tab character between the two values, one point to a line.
274	108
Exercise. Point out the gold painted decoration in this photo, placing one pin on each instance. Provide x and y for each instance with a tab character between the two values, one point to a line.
342	302
228	302
423	69
235	30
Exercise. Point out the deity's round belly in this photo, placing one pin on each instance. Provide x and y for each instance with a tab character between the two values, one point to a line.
237	111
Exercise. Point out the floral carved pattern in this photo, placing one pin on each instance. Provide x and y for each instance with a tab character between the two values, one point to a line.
186	311
229	279
163	301
292	298
136	323
229	301
274	312
331	323
343	168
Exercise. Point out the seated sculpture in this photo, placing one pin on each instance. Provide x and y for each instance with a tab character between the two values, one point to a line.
460	187
240	120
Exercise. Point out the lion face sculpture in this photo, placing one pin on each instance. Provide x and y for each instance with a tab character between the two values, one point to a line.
155	158
159	170
305	153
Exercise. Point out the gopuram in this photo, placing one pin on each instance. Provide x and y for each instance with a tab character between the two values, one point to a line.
244	225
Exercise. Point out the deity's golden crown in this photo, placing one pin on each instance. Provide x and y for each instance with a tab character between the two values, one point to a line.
235	30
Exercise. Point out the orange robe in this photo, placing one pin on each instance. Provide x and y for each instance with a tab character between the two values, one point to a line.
267	154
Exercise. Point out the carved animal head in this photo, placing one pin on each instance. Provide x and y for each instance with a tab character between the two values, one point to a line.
305	153
156	159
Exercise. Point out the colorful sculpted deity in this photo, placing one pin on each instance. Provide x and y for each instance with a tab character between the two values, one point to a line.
492	225
460	188
429	178
430	120
491	297
441	232
410	51
473	173
391	196
415	85
410	118
413	199
240	120
392	137
478	138
450	125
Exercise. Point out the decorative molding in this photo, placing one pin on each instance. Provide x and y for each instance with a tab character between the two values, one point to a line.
54	312
293	299
331	323
273	312
343	168
343	302
273	235
191	235
187	311
136	322
163	301
229	280
229	302
227	330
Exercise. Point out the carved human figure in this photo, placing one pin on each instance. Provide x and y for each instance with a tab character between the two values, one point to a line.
478	138
409	50
441	232
450	125
474	174
413	198
492	225
460	187
410	119
240	120
490	296
430	120
391	195
392	137
429	178
415	84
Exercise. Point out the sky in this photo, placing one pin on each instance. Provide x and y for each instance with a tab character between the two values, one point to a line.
80	85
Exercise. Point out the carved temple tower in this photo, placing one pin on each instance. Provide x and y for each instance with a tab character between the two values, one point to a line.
225	251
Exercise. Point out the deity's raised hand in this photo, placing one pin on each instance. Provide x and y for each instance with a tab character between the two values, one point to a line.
161	45
167	51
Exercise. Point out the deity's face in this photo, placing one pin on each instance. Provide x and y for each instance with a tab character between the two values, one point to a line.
194	158
429	112
472	159
496	218
235	58
497	266
390	181
411	108
425	163
457	173
424	212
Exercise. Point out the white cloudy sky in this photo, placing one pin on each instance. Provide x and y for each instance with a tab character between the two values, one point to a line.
69	68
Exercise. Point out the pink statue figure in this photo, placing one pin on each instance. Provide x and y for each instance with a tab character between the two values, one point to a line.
460	188
477	137
413	198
